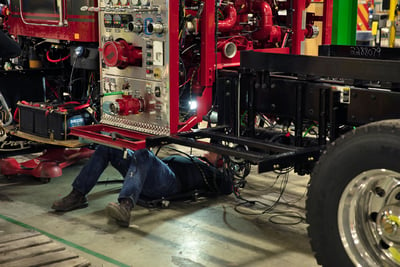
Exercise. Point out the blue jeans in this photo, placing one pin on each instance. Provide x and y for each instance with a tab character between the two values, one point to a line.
143	172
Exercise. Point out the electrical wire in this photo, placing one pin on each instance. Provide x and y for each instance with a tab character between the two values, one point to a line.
268	208
295	200
260	208
188	48
183	84
270	122
183	67
310	129
265	189
70	77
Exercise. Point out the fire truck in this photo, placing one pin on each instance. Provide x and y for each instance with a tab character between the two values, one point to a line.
145	73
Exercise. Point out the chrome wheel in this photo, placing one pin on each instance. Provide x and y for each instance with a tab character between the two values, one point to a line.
369	218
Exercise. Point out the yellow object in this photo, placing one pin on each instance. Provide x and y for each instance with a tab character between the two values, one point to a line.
392	17
394	218
157	73
362	17
395	254
76	36
374	28
35	64
394	251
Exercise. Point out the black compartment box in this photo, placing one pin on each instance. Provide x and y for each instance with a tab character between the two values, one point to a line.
44	121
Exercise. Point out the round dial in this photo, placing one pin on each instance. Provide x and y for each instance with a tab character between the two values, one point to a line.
124	2
108	20
135	2
145	2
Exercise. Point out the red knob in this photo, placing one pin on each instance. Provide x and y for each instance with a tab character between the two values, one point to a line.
121	54
129	105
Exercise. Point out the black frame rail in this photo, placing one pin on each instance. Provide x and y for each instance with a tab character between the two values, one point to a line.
258	69
267	155
322	66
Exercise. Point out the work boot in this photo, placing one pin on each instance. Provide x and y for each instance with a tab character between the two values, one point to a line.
74	200
120	212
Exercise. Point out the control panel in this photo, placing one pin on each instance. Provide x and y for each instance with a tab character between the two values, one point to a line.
135	49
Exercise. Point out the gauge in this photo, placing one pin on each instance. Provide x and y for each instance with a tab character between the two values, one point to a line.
108	20
124	2
117	21
115	2
135	2
145	2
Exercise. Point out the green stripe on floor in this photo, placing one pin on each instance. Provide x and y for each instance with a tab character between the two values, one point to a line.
66	242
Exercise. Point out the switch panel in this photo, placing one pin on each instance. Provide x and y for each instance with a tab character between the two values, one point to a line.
134	48
158	53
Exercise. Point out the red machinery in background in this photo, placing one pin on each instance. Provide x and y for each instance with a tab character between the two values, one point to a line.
161	59
149	67
50	33
58	20
158	68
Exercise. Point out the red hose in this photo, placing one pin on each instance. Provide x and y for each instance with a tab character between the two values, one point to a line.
55	60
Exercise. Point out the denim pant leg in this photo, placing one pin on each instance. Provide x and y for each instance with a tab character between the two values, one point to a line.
148	176
90	173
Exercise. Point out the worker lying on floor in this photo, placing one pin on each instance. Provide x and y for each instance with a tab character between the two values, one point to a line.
145	175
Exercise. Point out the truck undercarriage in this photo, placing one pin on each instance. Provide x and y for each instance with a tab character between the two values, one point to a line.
324	116
143	77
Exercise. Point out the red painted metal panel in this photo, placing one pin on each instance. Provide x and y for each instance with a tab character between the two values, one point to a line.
101	133
298	27
174	65
78	27
327	22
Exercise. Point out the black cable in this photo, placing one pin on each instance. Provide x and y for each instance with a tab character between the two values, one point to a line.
296	200
291	215
269	209
70	77
283	171
268	188
265	208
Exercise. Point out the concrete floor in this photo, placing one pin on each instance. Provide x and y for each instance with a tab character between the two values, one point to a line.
209	232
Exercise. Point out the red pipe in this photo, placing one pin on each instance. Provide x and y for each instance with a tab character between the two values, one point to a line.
327	22
265	25
230	19
297	26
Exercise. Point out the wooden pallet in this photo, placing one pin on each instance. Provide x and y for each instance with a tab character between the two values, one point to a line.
31	248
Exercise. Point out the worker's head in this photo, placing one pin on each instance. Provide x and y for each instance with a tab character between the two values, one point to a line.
212	157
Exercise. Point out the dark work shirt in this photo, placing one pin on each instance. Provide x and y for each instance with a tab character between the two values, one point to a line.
194	173
8	47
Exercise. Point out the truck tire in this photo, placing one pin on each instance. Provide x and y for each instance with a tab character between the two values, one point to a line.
353	199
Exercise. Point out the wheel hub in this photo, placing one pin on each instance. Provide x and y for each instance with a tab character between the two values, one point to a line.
388	224
369	218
